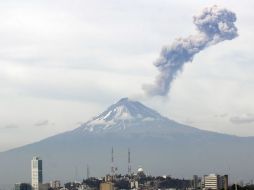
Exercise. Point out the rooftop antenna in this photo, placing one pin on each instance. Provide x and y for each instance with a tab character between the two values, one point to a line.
76	174
112	162
87	172
129	161
124	127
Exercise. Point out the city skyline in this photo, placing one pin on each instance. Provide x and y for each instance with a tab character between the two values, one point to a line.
37	176
136	181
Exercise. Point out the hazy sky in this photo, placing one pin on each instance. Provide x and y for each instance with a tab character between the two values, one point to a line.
64	61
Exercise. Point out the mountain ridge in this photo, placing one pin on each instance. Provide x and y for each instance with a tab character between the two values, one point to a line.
121	102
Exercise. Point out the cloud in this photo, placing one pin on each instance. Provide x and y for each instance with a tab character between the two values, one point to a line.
213	25
11	126
242	119
223	115
42	123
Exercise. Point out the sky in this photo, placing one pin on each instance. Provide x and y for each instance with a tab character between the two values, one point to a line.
63	62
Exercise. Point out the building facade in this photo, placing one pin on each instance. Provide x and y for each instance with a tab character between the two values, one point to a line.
224	180
55	184
22	186
44	186
211	182
36	165
215	182
107	186
196	182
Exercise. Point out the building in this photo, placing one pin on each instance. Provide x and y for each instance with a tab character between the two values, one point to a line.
134	184
215	182
109	178
36	165
196	182
224	180
45	186
211	182
55	184
141	172
22	186
107	186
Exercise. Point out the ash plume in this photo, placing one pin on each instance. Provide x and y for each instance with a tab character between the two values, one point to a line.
213	24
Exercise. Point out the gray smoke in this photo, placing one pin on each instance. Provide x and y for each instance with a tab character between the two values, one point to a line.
214	25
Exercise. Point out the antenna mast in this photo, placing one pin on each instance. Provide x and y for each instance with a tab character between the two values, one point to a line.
87	172
112	162
76	173
129	161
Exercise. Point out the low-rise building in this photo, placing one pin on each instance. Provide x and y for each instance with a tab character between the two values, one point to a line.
22	186
215	182
44	186
56	184
107	186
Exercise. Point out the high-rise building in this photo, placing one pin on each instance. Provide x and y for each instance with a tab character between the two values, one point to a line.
36	165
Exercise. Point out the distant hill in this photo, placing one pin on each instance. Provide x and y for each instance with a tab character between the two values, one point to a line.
158	144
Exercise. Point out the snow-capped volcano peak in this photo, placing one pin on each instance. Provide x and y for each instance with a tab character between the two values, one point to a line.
120	113
126	109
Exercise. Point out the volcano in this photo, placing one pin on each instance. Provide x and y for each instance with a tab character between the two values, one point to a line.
160	145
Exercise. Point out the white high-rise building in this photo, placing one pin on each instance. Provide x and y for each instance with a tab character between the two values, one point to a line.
36	165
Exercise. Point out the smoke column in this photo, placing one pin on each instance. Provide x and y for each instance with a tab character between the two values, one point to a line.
214	25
